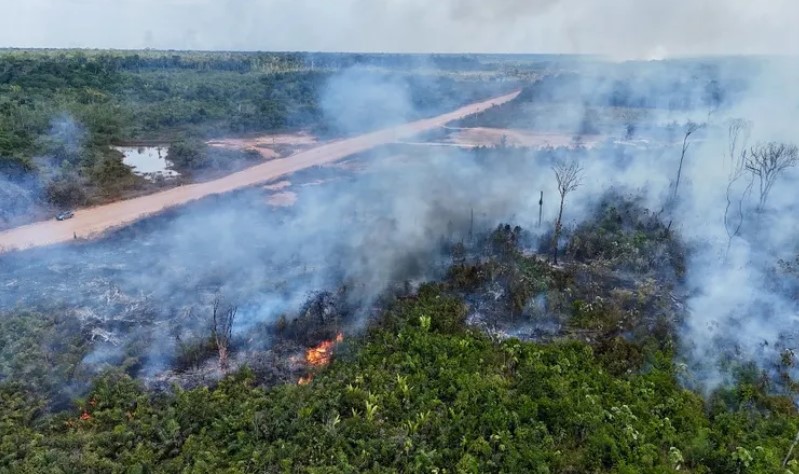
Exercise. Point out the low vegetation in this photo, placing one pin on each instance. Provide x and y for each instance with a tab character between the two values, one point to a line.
419	392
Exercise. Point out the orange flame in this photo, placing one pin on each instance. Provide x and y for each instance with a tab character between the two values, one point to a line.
320	355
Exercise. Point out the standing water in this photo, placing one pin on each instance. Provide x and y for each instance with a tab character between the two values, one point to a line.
148	161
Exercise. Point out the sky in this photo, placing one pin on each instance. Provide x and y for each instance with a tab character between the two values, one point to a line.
635	29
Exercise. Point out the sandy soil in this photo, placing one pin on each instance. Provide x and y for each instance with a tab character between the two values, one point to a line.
265	144
481	136
92	222
301	138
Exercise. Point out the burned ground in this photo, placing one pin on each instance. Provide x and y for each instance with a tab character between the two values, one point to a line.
602	292
140	299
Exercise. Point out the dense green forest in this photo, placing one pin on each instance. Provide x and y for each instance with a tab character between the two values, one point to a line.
61	110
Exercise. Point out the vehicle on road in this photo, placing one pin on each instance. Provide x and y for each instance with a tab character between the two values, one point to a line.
62	216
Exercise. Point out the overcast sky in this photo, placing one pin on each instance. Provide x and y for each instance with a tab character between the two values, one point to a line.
621	28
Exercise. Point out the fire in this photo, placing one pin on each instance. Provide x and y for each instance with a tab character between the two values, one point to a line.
305	380
85	415
320	355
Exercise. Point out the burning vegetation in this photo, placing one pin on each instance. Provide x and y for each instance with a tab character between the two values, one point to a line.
319	356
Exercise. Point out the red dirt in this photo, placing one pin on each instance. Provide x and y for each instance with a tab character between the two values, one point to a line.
94	221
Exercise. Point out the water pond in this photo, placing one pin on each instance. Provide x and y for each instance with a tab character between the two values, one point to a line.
148	161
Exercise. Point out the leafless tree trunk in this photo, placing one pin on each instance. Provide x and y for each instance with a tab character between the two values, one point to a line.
767	162
690	129
738	136
568	177
222	331
540	208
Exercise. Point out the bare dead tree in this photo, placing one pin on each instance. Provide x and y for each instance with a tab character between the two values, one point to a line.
738	136
222	331
568	177
767	162
540	208
690	129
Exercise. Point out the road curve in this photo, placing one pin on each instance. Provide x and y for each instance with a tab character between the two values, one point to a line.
92	222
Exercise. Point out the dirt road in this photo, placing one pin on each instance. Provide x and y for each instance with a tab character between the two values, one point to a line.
92	222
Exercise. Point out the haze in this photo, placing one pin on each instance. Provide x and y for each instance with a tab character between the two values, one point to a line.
616	28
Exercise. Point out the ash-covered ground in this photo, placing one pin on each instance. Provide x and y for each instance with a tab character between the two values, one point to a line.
353	236
325	250
141	298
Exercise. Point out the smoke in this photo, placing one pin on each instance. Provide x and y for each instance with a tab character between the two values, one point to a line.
738	309
371	231
23	194
387	221
357	100
19	197
66	137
